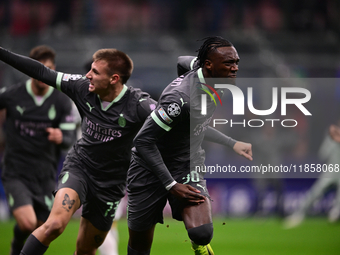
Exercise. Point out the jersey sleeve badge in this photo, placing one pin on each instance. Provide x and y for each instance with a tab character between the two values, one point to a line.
174	110
72	77
164	116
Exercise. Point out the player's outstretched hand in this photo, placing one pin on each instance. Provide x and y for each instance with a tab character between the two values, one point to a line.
243	149
187	192
54	135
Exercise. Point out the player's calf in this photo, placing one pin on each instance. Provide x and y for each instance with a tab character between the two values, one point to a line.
18	240
33	246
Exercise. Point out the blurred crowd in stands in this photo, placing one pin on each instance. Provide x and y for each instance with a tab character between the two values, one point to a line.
23	17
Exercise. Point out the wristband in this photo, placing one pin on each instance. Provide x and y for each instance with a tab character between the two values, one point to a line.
168	187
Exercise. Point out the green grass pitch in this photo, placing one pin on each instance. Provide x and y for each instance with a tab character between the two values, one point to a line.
315	236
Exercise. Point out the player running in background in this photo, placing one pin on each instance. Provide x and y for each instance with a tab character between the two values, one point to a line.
168	147
95	169
39	123
329	152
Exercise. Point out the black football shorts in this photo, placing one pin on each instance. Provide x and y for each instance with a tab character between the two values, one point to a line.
147	197
39	195
99	203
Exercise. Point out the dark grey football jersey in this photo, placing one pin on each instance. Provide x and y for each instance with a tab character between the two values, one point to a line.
28	153
107	134
181	125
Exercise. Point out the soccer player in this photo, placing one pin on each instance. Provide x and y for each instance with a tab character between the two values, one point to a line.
330	153
168	149
95	169
39	123
110	244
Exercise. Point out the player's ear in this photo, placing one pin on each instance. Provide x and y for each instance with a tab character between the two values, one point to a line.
208	64
114	78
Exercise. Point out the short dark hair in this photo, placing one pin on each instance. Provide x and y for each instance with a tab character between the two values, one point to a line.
209	45
118	62
43	53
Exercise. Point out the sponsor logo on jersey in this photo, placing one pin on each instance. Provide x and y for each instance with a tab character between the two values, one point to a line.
31	128
164	116
20	109
199	185
182	101
88	104
99	133
174	110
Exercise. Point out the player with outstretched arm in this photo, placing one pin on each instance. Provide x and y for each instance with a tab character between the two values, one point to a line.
95	169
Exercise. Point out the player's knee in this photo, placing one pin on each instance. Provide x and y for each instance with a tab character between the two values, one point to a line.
27	226
201	235
54	227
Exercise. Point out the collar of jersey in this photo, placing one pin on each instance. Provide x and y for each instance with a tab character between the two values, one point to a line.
121	94
30	92
201	78
192	63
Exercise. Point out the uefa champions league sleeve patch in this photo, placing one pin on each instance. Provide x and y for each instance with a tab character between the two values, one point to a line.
75	77
174	110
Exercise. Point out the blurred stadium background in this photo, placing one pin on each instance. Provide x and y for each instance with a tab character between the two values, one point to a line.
274	38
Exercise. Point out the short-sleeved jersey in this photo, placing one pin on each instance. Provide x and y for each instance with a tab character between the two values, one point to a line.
178	113
107	134
28	153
